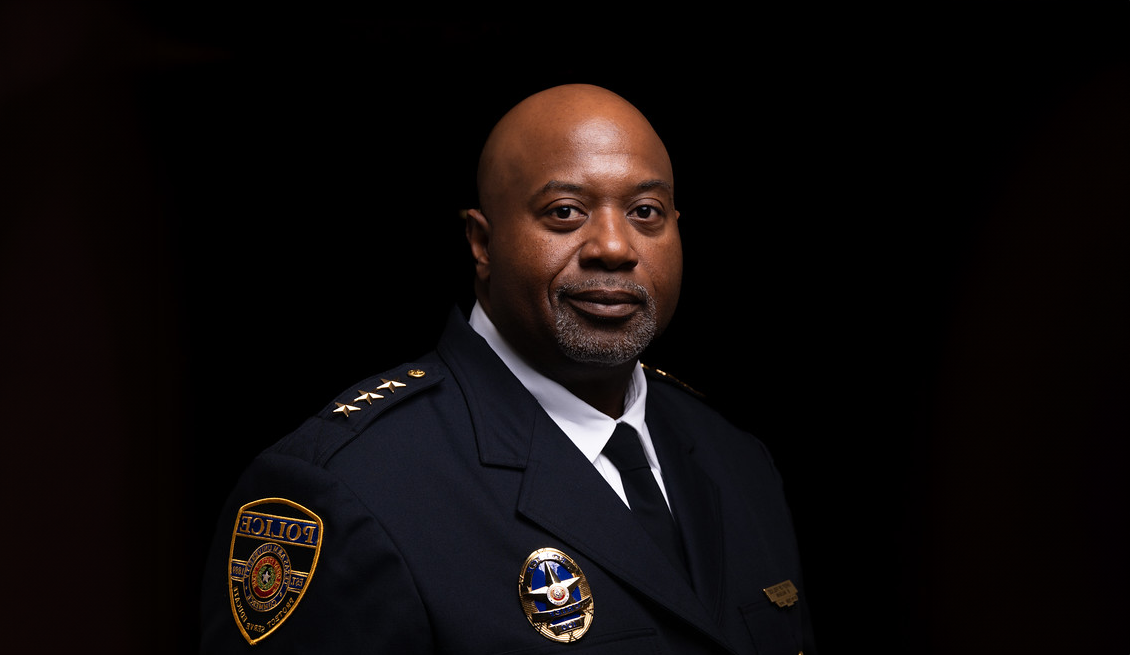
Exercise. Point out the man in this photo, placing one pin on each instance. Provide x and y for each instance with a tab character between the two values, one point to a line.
491	497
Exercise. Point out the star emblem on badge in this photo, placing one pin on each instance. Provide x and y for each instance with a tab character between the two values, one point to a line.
556	592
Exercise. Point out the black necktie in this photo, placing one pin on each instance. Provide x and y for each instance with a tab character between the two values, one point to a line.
644	497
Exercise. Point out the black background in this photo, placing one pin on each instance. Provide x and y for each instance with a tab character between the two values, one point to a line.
906	271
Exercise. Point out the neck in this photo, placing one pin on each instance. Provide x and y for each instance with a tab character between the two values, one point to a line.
604	388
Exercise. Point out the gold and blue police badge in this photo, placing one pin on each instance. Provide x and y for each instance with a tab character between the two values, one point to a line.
555	595
274	548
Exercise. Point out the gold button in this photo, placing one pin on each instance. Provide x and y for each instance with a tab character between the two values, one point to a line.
415	373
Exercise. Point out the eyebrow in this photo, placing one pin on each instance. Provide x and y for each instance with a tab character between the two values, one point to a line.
654	184
646	185
557	185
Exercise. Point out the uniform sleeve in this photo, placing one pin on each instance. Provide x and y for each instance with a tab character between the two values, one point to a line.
358	596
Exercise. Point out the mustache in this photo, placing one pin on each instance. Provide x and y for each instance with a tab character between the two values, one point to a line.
607	283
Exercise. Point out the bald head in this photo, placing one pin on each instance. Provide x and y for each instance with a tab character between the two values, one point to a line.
578	260
554	119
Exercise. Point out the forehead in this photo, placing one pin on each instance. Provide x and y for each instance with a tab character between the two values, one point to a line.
590	152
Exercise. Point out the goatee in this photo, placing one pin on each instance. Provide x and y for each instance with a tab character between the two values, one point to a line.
618	342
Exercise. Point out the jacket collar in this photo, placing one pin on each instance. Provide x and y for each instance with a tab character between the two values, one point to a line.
487	385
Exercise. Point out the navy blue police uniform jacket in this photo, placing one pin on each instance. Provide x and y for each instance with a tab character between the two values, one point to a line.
423	510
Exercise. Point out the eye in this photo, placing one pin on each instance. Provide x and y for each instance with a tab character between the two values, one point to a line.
565	215
647	212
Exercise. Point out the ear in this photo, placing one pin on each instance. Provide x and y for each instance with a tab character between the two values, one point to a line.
478	235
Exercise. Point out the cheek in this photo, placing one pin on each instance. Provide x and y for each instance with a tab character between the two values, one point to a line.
523	267
666	273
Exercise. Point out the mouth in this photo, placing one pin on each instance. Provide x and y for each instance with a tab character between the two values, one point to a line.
605	303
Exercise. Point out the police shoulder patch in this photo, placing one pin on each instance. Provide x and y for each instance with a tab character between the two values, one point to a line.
274	549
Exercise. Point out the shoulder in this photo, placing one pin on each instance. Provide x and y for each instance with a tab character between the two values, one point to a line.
362	407
671	396
666	378
677	402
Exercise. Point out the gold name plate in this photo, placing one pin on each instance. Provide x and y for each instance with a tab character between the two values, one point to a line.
784	594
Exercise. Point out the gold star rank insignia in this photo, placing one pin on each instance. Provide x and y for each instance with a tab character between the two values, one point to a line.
367	396
342	408
391	385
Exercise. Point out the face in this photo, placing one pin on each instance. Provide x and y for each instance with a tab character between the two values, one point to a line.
583	260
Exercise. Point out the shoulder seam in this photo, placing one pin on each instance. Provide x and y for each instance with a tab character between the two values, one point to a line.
674	380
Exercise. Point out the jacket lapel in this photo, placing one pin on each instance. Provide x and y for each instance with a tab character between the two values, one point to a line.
695	500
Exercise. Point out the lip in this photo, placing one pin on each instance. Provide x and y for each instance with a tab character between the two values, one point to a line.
604	303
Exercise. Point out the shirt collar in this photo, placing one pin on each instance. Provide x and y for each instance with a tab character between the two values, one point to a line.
586	426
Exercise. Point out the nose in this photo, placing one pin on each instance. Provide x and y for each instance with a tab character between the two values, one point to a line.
608	241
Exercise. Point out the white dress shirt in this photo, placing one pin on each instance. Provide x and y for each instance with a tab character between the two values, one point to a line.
588	428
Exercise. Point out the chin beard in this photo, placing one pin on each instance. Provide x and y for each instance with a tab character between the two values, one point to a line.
606	347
